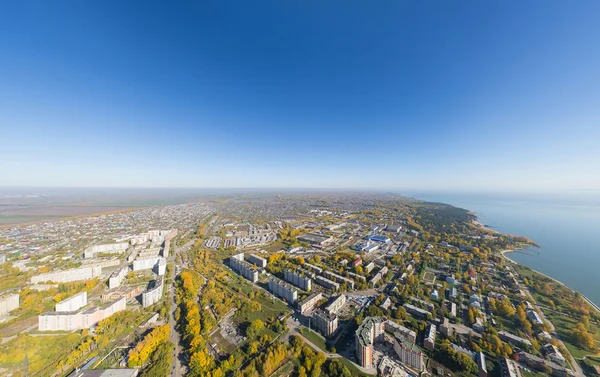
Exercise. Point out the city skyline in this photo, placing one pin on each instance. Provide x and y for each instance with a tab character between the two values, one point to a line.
338	95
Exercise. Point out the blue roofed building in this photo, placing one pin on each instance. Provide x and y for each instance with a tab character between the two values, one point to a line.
377	238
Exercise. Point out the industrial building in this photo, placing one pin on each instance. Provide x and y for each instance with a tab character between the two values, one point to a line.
326	323
117	277
73	303
257	261
9	303
326	283
378	238
298	279
153	295
243	268
315	238
310	302
393	228
65	276
113	248
282	289
70	321
336	304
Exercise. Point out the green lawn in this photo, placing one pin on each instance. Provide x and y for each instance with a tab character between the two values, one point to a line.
507	324
353	369
314	338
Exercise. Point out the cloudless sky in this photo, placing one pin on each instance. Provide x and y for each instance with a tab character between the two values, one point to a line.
484	95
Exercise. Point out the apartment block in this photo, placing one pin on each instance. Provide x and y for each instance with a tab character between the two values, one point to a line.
113	248
370	331
257	261
326	323
326	283
298	279
73	303
309	303
243	268
339	279
336	304
70	321
282	289
65	276
408	353
117	277
8	303
153	295
430	335
395	328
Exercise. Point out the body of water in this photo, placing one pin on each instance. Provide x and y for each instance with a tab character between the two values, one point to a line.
567	228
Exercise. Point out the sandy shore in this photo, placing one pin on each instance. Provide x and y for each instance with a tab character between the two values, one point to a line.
503	252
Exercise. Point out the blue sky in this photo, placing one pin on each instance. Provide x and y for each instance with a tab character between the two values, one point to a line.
483	95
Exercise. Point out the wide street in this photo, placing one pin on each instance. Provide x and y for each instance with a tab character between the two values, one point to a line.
177	368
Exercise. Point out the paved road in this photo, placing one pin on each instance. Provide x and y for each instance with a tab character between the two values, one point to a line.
177	369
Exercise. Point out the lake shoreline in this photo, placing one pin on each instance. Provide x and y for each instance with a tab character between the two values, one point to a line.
506	251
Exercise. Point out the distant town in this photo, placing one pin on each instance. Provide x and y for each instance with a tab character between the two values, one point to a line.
284	285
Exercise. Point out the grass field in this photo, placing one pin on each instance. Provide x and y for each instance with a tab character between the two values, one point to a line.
314	338
353	369
507	324
40	350
275	247
564	326
271	307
